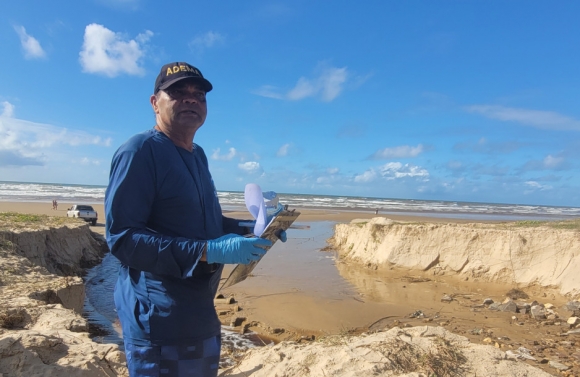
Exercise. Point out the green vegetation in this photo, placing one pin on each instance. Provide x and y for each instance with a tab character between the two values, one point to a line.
5	244
567	224
10	220
21	217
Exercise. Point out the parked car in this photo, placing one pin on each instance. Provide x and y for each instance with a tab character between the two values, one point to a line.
84	212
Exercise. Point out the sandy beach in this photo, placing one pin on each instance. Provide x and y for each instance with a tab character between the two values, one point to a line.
306	215
303	290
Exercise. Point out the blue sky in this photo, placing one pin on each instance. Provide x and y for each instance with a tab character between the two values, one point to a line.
449	100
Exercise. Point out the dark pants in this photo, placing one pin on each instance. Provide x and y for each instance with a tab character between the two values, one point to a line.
200	359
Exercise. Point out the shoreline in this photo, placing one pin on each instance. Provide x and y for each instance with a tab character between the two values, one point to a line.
306	214
326	213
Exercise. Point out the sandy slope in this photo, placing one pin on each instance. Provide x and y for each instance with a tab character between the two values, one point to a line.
511	253
42	333
418	351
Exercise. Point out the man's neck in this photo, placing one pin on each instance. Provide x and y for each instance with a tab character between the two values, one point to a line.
178	138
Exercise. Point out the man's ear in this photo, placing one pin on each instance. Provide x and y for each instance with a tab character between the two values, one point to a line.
153	101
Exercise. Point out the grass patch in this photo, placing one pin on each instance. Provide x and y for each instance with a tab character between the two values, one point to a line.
446	361
21	217
530	223
443	359
10	220
566	224
12	318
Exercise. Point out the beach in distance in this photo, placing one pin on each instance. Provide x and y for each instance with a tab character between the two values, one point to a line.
328	205
306	214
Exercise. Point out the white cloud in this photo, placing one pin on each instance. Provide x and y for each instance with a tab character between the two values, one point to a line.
552	162
331	176
224	157
8	110
327	86
251	167
368	176
206	40
304	88
109	53
548	163
547	120
537	186
391	171
331	83
89	161
27	143
396	170
269	91
283	151
402	151
31	46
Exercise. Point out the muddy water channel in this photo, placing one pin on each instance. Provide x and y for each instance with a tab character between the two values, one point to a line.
304	287
99	309
298	289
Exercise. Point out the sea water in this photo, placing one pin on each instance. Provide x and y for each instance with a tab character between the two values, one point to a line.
231	201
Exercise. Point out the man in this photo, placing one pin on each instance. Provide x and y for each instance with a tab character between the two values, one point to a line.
165	224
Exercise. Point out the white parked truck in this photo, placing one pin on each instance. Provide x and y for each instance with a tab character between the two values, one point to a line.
84	212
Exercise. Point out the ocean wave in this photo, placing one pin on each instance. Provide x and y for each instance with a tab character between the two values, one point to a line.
231	200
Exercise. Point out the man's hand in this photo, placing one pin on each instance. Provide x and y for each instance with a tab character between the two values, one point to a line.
232	249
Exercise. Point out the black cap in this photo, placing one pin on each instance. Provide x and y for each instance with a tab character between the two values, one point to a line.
173	72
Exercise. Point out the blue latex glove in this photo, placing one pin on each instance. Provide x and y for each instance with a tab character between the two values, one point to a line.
232	249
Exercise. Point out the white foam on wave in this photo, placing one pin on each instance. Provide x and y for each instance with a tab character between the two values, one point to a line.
231	200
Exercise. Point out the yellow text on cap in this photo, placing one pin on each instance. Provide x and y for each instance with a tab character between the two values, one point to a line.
181	68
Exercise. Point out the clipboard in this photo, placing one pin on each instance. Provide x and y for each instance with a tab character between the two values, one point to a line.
281	221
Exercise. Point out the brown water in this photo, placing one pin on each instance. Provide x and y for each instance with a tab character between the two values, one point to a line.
301	288
304	290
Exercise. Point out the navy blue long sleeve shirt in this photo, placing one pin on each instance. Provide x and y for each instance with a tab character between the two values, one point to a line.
161	206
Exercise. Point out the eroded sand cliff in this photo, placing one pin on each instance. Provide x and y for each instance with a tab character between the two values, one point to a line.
522	253
41	330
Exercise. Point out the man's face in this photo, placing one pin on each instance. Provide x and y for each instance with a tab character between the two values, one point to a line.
182	105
